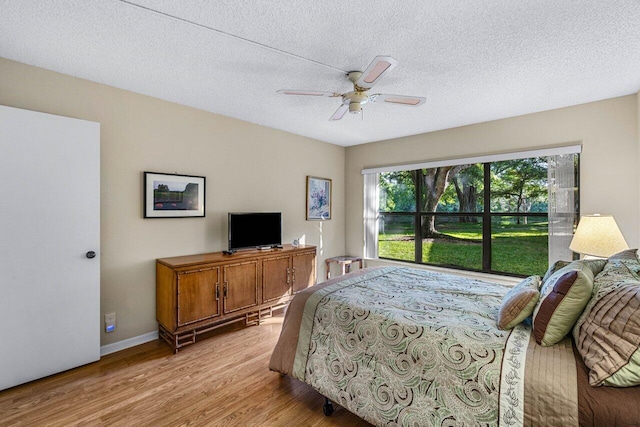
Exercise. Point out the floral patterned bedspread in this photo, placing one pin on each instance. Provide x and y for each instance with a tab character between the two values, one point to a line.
401	346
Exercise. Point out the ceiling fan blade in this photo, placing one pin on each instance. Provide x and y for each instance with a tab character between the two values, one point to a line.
410	101
375	71
308	92
340	112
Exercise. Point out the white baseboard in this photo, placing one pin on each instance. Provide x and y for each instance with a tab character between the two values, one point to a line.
129	342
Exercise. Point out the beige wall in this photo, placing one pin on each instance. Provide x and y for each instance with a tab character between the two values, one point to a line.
248	168
609	178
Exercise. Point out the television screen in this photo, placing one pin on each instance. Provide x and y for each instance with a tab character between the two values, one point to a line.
254	229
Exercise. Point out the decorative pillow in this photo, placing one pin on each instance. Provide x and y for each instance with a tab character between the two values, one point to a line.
628	254
609	338
519	302
607	334
563	297
553	268
596	266
617	270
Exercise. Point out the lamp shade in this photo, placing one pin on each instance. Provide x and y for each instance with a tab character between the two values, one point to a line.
598	235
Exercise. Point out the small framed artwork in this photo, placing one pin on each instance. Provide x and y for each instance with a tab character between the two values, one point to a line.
169	195
318	198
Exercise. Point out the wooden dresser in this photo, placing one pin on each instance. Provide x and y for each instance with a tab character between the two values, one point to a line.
198	293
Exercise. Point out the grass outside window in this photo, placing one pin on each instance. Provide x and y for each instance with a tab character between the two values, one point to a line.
516	248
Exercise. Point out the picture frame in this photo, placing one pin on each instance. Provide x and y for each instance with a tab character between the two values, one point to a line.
169	195
318	204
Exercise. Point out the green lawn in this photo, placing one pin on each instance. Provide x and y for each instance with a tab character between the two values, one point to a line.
516	248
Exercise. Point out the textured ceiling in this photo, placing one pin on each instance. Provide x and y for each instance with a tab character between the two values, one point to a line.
474	60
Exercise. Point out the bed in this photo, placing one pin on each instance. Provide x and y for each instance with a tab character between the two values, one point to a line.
403	346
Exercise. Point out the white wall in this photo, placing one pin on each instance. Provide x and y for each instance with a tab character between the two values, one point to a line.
248	168
609	178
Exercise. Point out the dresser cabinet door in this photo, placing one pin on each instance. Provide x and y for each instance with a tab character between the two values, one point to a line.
303	272
198	295
240	286
276	278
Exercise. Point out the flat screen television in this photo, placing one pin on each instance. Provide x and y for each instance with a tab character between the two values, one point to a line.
254	230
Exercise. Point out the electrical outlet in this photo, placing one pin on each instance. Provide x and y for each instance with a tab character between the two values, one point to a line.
109	322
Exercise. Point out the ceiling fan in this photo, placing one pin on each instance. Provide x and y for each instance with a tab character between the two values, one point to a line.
362	82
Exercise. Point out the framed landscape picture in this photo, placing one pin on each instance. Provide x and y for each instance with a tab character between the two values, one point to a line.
173	196
318	198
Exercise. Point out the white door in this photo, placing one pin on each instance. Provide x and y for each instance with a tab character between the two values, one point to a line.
49	222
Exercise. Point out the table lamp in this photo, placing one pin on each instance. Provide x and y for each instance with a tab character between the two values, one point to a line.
598	236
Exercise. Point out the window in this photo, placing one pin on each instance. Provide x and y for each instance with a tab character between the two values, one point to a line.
502	216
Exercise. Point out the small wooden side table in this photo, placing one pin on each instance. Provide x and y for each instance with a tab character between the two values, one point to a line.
344	262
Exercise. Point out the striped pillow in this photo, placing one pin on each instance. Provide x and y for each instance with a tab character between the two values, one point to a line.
607	335
563	297
609	338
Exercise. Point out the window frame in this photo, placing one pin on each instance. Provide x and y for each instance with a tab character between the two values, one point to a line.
487	216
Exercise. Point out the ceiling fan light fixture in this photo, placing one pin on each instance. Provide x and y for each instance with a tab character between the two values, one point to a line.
362	82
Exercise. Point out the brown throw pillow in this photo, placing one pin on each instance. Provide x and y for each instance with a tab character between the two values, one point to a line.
609	337
519	302
562	299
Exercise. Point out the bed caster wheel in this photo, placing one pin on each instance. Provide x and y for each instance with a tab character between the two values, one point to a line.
327	408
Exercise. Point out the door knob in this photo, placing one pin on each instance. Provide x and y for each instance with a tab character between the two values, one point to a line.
90	254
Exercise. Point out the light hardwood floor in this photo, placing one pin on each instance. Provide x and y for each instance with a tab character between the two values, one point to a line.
223	380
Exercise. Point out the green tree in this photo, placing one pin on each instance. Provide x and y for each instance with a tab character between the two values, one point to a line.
519	183
397	192
466	184
434	182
